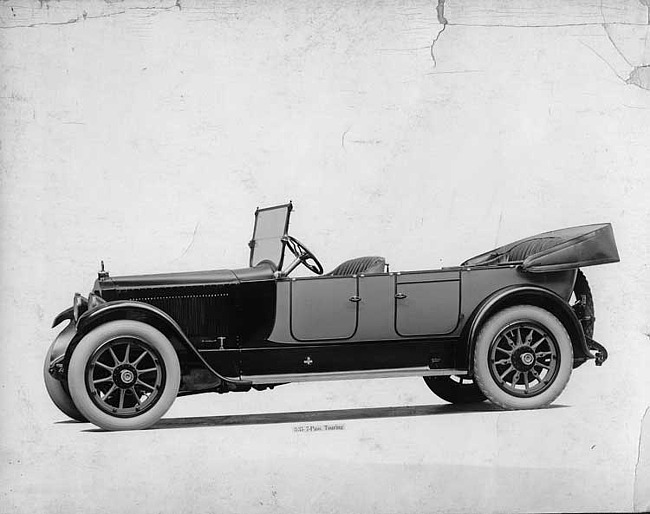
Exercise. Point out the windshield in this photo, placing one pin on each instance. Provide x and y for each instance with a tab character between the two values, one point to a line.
271	225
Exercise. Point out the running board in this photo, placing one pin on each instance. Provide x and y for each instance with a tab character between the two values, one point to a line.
351	375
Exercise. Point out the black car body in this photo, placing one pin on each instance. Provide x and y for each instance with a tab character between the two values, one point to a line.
500	326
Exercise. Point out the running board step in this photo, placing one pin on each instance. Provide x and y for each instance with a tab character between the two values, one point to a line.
351	375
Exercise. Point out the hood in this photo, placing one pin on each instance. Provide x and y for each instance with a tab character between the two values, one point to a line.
263	271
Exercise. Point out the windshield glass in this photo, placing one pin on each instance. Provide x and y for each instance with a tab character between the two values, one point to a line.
271	224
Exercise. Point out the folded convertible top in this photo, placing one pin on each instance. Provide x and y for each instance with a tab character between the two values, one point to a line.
558	250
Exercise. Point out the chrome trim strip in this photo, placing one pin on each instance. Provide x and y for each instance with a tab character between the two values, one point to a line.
351	375
205	350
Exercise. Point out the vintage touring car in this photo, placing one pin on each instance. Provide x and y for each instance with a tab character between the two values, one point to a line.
500	326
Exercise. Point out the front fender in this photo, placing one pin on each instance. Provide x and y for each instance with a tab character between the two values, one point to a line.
530	295
59	347
143	312
66	314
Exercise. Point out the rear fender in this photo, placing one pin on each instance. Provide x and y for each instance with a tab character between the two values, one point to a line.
144	313
528	295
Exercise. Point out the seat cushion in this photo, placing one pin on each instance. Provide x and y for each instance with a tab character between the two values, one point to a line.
371	264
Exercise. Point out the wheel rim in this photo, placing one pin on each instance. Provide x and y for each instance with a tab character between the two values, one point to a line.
524	359
125	377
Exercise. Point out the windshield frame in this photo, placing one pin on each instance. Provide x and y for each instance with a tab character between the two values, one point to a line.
254	242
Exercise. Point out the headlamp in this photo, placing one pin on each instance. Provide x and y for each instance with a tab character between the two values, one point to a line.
79	306
94	300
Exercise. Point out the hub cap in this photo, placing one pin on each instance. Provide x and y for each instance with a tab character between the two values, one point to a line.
524	359
125	377
527	358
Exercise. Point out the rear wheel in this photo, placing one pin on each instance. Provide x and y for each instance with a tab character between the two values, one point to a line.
58	391
455	389
523	358
124	375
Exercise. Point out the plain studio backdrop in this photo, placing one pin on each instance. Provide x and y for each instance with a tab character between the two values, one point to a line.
146	134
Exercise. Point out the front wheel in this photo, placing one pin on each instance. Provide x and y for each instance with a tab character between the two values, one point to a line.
58	391
124	375
523	358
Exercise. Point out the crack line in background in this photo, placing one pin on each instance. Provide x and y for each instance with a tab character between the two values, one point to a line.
639	76
440	13
84	16
638	461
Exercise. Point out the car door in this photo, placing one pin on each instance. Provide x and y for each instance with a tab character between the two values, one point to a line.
324	308
427	303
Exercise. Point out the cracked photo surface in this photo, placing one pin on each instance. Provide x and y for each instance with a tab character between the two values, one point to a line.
144	134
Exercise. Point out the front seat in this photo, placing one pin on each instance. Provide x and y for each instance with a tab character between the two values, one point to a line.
373	264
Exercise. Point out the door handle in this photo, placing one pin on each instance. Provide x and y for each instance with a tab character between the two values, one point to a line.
400	296
355	298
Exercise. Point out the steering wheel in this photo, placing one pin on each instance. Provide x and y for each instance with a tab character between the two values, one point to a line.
304	255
